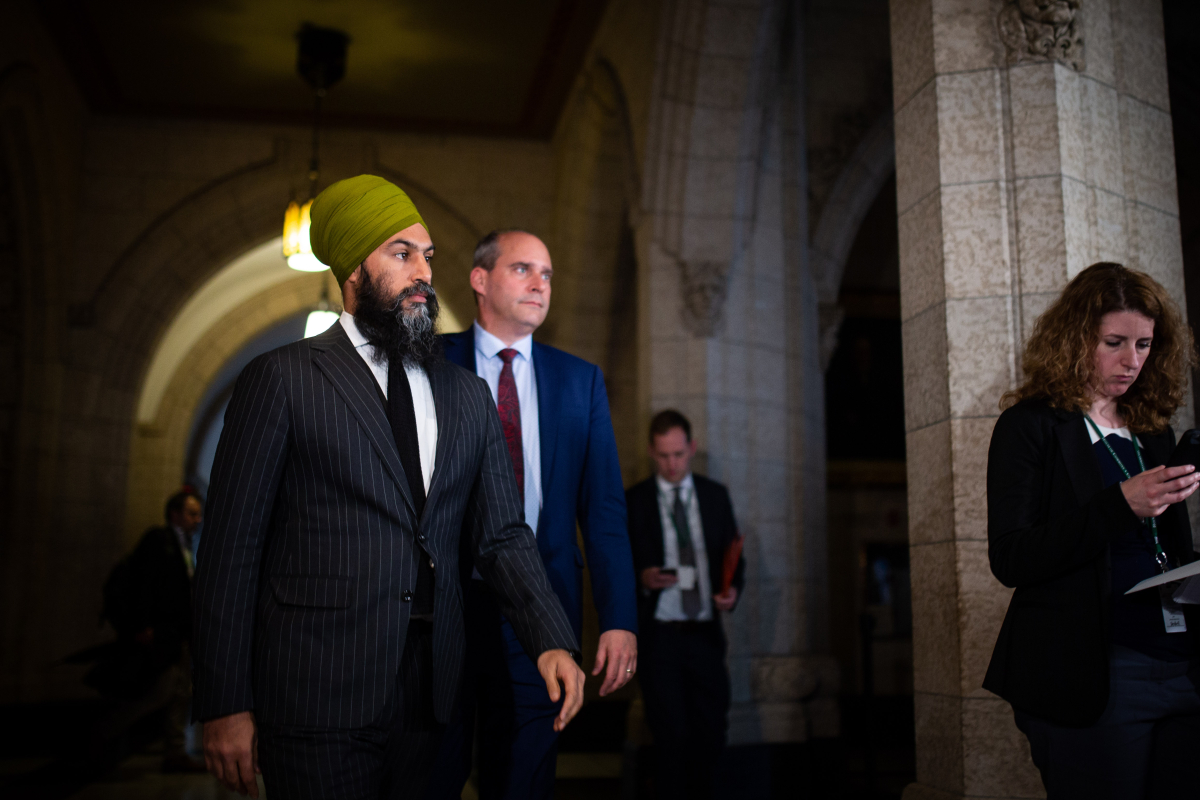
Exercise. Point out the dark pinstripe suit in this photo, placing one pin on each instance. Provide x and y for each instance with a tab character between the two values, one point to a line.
311	542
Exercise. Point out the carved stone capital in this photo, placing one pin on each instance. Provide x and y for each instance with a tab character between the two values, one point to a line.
1038	30
703	287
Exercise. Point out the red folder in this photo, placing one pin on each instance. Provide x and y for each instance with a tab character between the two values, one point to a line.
733	554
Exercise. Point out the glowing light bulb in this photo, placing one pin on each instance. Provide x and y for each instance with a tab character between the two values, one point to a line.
318	322
296	247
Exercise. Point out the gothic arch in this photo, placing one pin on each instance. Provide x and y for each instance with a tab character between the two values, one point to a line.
173	257
856	187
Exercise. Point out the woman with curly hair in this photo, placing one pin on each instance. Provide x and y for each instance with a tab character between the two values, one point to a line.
1080	509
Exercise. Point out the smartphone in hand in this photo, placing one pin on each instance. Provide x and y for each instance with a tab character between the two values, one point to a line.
1187	451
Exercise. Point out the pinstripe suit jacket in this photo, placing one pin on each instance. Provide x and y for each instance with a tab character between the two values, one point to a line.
311	541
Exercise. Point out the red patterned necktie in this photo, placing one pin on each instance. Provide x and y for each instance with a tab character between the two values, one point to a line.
509	406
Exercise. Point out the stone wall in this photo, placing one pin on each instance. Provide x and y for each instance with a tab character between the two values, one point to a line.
41	124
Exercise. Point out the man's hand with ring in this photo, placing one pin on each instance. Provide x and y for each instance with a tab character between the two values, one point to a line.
617	650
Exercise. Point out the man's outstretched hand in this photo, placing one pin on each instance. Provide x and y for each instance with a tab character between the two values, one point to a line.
617	650
231	751
557	666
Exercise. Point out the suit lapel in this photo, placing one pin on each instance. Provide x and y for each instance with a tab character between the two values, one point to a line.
708	519
548	413
1080	459
352	379
446	405
654	515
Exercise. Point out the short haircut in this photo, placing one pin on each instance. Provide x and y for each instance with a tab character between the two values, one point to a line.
488	249
176	501
667	419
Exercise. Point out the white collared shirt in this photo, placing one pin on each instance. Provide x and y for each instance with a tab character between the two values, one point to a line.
423	409
670	601
488	366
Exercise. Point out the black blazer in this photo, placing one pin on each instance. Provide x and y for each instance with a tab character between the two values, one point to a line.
310	549
162	593
646	538
1050	522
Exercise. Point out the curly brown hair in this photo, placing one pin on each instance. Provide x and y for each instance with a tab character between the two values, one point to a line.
1059	358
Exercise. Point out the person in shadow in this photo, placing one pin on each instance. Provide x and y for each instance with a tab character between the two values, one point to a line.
148	600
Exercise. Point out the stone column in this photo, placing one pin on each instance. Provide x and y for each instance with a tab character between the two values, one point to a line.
729	314
1026	150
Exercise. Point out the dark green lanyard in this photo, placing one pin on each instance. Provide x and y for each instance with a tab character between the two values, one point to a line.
1160	557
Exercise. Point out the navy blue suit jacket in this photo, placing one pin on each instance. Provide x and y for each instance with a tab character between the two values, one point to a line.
581	481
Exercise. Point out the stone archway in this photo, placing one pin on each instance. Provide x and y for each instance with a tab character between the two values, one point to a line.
145	288
855	189
158	447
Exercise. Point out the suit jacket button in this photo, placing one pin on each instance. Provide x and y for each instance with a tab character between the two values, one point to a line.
420	537
406	596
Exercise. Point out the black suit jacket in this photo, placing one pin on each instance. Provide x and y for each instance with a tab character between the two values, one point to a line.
310	549
1050	523
162	594
646	537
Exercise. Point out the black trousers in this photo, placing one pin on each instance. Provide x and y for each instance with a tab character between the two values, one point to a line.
518	747
686	690
390	758
1143	746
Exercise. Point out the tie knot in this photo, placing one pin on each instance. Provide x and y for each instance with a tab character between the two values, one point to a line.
507	355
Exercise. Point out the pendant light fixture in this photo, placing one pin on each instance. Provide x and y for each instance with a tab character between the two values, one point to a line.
321	62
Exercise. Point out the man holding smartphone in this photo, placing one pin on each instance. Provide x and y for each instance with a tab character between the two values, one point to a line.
680	527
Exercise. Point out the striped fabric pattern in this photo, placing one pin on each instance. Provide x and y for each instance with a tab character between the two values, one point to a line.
309	554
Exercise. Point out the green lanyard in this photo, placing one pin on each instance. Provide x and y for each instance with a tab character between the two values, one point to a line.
1160	557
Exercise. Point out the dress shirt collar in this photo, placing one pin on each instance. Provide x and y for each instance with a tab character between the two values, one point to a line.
664	487
490	346
351	327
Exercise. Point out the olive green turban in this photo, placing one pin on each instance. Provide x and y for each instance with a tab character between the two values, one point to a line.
353	217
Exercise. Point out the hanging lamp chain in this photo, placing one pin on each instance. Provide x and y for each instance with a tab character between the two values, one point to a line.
314	165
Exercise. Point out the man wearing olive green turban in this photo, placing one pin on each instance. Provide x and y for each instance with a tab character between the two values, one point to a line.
353	217
352	467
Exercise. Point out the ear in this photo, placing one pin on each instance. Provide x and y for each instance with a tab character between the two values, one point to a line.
692	448
479	278
350	290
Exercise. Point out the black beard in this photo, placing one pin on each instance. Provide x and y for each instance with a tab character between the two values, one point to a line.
402	336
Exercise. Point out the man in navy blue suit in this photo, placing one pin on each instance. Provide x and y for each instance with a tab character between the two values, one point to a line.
554	412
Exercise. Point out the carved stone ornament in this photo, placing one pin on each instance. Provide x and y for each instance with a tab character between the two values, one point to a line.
1035	30
704	287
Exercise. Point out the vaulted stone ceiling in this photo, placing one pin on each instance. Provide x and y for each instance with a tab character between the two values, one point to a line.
469	66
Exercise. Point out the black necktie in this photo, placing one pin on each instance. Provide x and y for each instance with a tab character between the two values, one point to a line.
404	430
687	554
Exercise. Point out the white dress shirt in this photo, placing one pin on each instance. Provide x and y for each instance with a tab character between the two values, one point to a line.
670	601
488	365
422	394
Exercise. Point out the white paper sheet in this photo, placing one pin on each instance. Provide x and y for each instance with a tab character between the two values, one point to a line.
1167	577
1188	592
